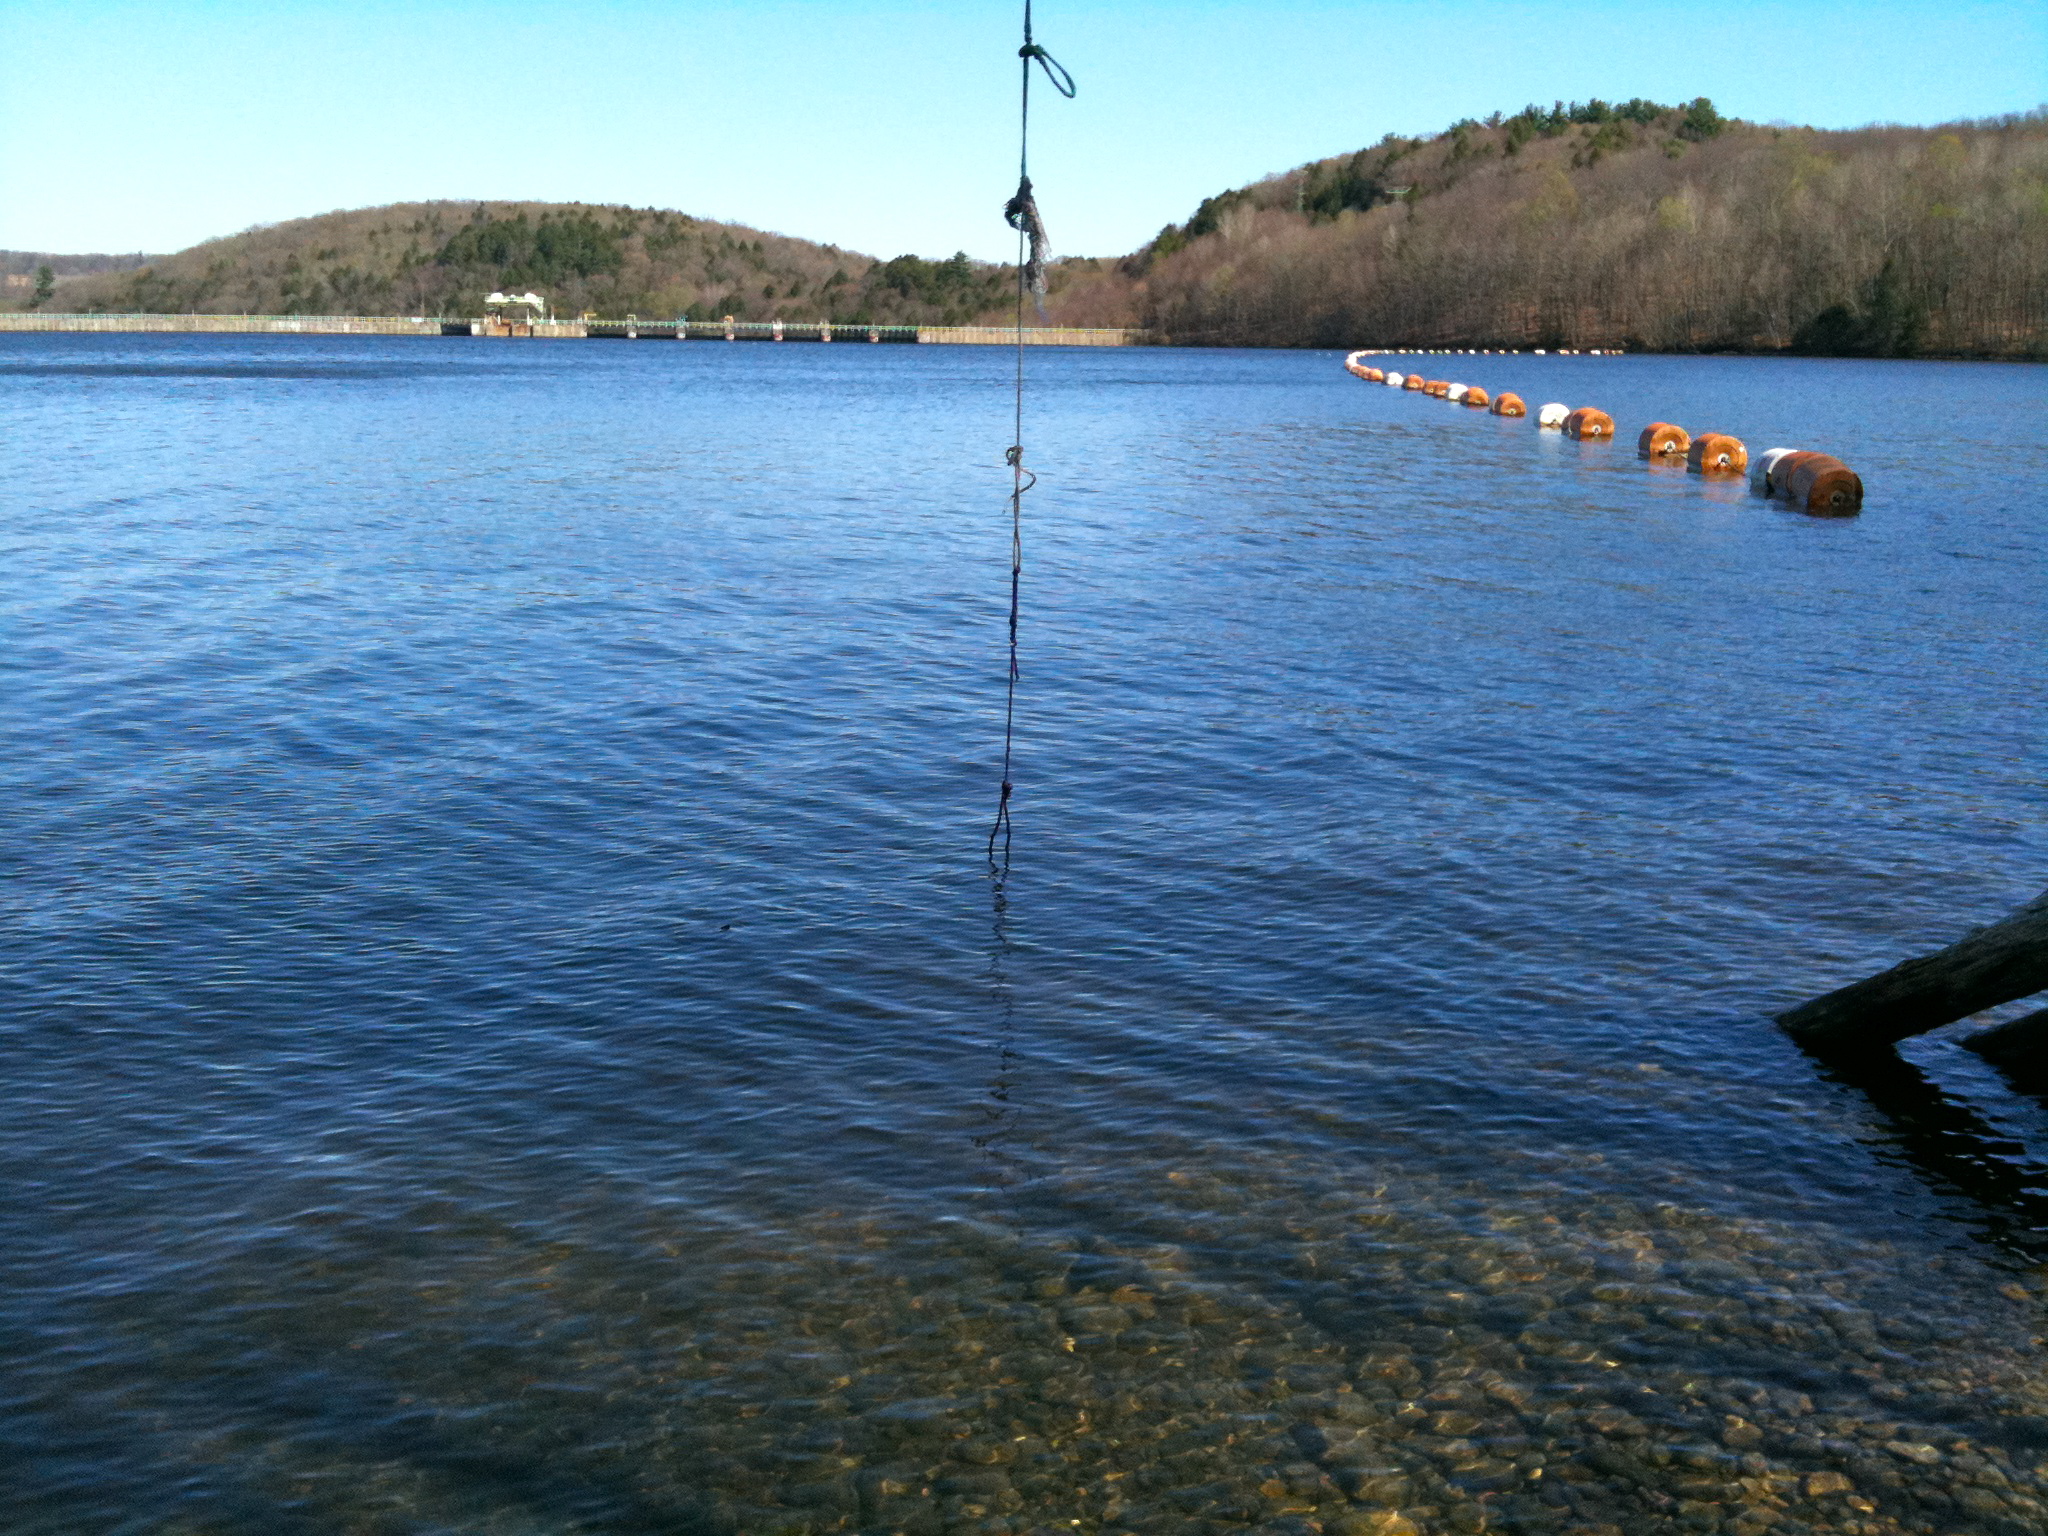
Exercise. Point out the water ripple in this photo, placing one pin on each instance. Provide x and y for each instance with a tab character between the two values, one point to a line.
511	1032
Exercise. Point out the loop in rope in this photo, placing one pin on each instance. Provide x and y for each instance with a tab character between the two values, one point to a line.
1055	71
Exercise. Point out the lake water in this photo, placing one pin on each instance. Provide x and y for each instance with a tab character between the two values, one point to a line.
510	1027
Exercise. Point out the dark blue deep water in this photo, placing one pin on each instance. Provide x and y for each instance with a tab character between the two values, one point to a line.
509	1028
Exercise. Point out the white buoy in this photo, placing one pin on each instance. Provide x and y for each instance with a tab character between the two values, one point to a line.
1761	466
1395	380
1456	392
1551	415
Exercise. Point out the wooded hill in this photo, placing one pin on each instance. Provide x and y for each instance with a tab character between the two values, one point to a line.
1592	225
62	266
1644	226
442	258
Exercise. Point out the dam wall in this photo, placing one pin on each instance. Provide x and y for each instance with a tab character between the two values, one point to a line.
630	329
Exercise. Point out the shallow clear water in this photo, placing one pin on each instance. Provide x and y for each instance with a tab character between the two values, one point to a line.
510	1028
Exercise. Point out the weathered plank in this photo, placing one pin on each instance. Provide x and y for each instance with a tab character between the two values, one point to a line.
1993	965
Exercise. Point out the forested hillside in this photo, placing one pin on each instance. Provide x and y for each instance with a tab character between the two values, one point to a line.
62	266
442	258
1639	225
1593	225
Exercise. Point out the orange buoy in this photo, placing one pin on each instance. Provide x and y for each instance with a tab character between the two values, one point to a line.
1778	481
1821	483
1439	387
1587	422
1475	396
1376	375
1508	403
1716	453
1661	440
1414	381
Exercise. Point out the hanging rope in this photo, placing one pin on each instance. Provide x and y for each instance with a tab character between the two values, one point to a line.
1021	214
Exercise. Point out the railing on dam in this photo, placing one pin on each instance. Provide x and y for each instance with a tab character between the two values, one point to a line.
1034	335
782	330
631	328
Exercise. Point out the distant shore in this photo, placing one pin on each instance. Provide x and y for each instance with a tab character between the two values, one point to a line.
763	330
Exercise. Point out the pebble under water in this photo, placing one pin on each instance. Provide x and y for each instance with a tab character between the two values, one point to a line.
511	1029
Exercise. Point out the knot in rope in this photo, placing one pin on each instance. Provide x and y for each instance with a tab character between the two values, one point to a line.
1013	456
1021	214
1055	71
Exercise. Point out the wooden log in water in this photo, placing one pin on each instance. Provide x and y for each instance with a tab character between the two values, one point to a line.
1993	965
2018	1044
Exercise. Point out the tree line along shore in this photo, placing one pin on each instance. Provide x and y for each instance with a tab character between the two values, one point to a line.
1638	226
441	258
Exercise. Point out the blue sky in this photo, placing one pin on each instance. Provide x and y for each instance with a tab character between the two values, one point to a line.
886	127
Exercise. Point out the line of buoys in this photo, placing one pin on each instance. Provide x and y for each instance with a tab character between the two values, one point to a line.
1813	482
1816	482
1588	422
1661	440
1716	453
1760	469
1484	352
